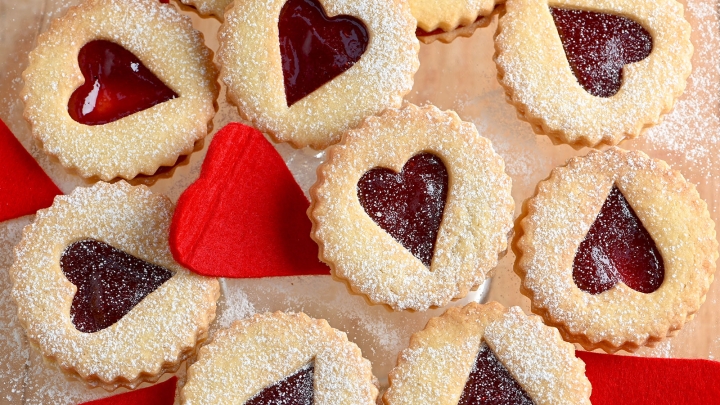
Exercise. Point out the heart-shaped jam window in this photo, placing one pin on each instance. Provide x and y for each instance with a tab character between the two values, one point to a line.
618	248
490	383
294	390
408	205
315	48
598	45
109	283
116	85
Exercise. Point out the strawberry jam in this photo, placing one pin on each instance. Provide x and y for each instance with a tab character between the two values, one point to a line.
618	248
408	205
294	390
315	48
109	283
598	45
116	85
490	383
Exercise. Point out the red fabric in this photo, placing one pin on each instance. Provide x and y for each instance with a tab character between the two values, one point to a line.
158	394
24	186
245	216
619	380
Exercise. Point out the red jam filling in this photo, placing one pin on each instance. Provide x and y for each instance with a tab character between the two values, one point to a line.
109	283
294	390
618	248
491	384
598	45
408	205
116	85
314	48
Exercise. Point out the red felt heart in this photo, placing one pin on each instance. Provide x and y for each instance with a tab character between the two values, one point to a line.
620	380
490	383
598	45
408	205
109	283
158	394
618	248
245	215
296	390
116	85
314	48
24	186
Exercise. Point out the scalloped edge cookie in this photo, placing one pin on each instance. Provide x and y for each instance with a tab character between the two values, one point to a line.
476	221
449	19
539	82
435	366
159	333
555	221
167	44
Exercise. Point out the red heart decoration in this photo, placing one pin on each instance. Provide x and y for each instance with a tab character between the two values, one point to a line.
490	383
296	390
109	283
158	394
24	186
618	248
314	48
598	45
116	85
408	205
245	215
621	380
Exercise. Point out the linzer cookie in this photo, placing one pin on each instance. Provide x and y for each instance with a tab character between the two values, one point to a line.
212	8
99	293
280	358
617	250
117	88
305	71
445	20
482	354
587	72
412	208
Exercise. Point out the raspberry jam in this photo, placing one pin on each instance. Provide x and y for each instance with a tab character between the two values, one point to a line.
116	85
618	248
294	390
109	283
490	383
315	48
598	45
408	205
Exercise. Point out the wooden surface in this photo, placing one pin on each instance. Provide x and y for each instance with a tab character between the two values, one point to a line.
459	76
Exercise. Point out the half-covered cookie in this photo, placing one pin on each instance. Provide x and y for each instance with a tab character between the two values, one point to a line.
616	249
482	354
117	88
99	293
280	358
445	20
412	208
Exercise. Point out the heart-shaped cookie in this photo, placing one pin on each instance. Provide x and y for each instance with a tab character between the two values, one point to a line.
315	48
618	248
599	45
245	215
408	205
28	189
117	84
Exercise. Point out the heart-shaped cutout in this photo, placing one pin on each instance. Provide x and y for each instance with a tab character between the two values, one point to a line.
245	216
618	248
598	45
408	205
109	283
116	85
296	390
490	383
28	188
315	48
